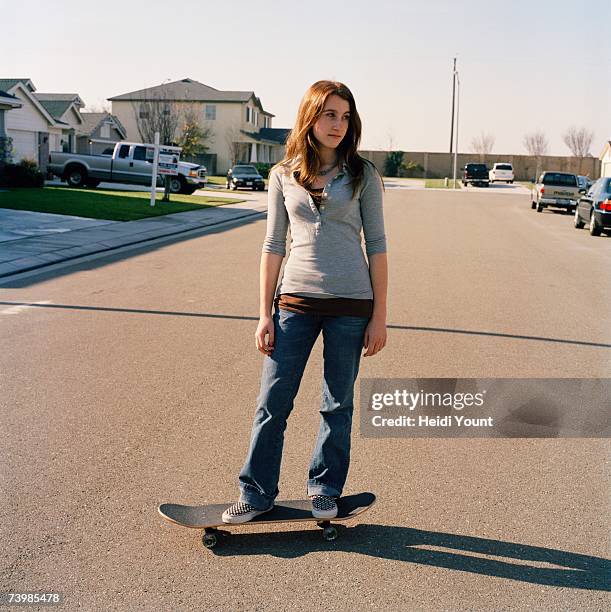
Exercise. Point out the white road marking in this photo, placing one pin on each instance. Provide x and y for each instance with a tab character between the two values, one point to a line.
18	309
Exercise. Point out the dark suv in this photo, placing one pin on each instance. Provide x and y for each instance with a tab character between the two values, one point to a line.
243	175
476	174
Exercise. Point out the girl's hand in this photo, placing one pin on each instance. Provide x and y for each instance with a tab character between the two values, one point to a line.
375	336
266	326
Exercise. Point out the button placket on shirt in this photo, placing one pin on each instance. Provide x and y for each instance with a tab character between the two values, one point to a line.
325	198
325	192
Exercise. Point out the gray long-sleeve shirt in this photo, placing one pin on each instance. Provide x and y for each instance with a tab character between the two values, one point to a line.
326	257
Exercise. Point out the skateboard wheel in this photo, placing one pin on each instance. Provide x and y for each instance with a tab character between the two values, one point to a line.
329	533
209	540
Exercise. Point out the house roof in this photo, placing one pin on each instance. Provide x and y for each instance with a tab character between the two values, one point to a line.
189	90
276	135
29	94
6	84
92	120
9	99
61	97
55	108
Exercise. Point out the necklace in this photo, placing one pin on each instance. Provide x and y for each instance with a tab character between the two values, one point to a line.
325	172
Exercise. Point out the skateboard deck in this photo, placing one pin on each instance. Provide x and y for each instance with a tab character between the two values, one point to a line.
208	517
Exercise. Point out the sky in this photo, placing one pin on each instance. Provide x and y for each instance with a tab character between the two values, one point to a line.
523	65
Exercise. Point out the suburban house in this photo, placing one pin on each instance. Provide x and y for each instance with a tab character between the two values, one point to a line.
65	109
31	127
99	132
7	102
605	160
241	130
39	123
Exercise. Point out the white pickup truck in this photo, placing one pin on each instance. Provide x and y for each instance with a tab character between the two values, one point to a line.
556	189
130	162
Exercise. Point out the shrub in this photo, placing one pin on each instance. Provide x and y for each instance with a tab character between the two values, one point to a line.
263	169
392	163
411	169
23	174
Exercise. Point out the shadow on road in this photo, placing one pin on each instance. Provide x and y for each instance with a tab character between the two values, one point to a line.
514	561
443	330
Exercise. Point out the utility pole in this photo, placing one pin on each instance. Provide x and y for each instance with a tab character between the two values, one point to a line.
457	114
453	98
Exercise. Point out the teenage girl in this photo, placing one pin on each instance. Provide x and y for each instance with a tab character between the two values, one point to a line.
326	193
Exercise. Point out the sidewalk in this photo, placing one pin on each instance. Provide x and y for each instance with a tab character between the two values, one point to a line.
34	240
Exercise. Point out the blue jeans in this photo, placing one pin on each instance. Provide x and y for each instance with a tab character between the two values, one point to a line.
295	335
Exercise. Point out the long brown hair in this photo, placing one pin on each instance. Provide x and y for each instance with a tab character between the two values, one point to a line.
302	152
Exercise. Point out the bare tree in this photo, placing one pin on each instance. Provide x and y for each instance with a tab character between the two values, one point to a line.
232	134
391	140
483	144
578	141
537	146
157	114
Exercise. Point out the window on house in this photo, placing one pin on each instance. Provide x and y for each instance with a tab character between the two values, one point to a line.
166	109
210	111
143	114
248	113
105	131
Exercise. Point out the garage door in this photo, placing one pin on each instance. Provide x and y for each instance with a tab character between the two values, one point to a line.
25	144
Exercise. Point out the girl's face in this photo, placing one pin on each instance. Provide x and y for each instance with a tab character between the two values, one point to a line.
331	127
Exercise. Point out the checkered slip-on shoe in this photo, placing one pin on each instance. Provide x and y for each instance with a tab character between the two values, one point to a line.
241	512
323	506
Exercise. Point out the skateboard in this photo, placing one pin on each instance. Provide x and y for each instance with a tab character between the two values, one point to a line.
208	517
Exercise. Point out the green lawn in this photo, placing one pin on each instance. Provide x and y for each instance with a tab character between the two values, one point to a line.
217	180
104	203
440	184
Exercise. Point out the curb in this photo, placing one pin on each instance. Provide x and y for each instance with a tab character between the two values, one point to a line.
80	251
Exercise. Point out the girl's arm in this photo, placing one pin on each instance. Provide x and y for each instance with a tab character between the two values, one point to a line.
372	215
274	245
268	277
378	271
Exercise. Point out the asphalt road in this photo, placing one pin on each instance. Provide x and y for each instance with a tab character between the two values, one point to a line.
133	380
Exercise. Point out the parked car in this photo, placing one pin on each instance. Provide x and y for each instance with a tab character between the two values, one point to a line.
594	208
585	182
501	172
557	190
131	162
243	175
476	174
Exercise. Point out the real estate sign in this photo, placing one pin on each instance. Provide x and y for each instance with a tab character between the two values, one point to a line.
168	160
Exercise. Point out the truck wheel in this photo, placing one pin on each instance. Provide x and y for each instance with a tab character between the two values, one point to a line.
533	205
177	184
539	207
76	176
